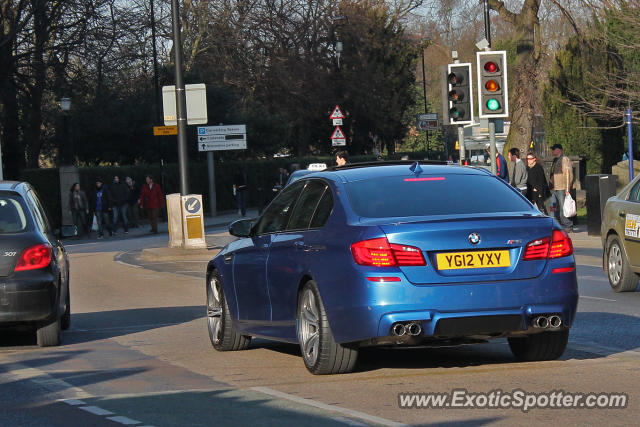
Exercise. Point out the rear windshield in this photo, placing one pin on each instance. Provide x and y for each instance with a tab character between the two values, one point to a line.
432	195
13	218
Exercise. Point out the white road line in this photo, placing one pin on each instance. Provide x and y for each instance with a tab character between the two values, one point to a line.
603	277
124	420
601	350
95	410
348	421
118	328
602	299
332	408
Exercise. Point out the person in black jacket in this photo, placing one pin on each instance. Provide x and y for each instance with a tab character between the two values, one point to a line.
239	190
537	187
101	207
119	194
133	202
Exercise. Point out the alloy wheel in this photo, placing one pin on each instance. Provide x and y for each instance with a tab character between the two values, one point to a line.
309	327
615	264
214	310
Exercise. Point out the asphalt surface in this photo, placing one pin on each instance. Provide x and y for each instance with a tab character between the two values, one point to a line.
138	353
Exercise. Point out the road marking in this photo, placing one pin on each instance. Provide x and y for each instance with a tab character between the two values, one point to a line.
72	402
348	421
603	277
95	410
118	328
603	299
124	420
601	350
310	402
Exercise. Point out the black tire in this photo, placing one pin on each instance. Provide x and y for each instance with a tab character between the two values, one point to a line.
48	335
321	354
65	320
621	277
542	346
222	334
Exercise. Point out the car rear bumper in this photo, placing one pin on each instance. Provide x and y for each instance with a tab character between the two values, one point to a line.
458	310
28	297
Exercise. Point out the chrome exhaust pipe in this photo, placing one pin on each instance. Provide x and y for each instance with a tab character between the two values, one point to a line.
555	321
541	322
398	329
414	329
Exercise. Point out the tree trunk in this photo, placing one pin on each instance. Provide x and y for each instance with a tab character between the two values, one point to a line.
524	102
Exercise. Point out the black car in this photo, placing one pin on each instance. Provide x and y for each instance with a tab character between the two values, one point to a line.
34	269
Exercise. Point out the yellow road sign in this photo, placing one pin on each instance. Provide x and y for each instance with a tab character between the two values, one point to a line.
165	130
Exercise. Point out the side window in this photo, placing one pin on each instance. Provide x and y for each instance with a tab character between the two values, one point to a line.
306	205
634	194
277	214
323	210
41	210
39	220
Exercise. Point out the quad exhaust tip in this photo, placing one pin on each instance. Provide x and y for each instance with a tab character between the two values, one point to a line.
543	322
400	329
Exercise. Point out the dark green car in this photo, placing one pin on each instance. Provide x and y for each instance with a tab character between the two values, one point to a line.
621	238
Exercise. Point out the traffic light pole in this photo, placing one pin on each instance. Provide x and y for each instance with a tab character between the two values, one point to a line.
492	144
461	143
181	103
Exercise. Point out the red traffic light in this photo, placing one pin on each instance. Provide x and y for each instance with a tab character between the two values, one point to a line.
456	96
491	67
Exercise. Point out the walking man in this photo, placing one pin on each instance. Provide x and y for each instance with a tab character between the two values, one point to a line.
152	199
119	194
518	177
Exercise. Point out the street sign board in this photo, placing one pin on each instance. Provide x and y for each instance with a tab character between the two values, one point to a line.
337	122
196	97
427	121
165	130
215	138
338	142
337	113
338	133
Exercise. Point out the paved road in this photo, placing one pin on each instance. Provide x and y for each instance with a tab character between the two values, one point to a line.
138	354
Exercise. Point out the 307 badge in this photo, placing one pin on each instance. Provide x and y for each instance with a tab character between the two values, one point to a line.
476	259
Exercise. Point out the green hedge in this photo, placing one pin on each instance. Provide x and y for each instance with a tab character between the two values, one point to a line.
262	174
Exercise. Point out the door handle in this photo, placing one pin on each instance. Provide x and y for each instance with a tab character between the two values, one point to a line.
300	245
622	214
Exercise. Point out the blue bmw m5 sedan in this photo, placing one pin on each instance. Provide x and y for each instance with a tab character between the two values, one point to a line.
397	254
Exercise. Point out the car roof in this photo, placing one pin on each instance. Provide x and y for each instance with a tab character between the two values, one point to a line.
16	186
357	172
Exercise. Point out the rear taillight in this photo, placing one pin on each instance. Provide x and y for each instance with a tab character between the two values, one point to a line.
379	253
561	245
557	246
34	257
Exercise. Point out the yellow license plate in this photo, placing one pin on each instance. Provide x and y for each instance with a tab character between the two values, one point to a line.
480	259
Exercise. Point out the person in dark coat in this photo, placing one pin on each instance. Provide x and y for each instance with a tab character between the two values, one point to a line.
537	186
119	194
239	190
79	208
133	212
101	207
152	199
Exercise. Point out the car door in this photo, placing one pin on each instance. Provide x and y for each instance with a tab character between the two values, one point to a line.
628	223
250	260
288	255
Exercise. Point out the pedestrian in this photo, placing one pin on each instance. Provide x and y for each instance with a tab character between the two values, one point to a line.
79	208
518	177
119	194
537	186
239	191
501	165
342	158
101	207
133	212
151	200
283	177
560	182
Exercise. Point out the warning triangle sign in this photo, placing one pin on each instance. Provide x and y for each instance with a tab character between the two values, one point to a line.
337	113
337	133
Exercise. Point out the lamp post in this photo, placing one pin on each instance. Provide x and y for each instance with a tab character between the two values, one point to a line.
423	47
67	146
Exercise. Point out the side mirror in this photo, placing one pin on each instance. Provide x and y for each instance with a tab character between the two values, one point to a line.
68	231
241	227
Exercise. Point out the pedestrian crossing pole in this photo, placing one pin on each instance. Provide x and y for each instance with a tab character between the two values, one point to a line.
627	120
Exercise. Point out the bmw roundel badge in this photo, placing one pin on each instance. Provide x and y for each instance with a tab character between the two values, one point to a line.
474	238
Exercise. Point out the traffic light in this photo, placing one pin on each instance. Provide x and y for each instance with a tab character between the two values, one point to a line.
459	94
493	90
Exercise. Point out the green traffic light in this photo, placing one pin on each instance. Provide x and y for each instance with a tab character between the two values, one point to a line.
493	104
